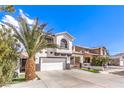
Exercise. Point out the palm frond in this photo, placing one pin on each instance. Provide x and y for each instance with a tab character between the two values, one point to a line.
18	35
33	37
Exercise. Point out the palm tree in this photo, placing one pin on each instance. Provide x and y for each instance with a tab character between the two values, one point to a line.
33	38
7	8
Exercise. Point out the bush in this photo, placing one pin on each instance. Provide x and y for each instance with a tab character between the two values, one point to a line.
6	72
99	61
8	55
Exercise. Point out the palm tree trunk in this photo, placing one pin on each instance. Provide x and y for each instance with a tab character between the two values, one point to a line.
30	69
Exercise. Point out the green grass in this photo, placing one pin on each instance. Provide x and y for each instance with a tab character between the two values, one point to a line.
90	70
19	79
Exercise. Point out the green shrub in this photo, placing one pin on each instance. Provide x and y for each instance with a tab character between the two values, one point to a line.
6	72
8	55
99	61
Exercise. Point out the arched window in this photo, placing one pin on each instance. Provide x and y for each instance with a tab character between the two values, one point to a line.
64	43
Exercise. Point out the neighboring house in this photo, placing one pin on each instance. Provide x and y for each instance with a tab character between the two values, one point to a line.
84	55
64	56
117	60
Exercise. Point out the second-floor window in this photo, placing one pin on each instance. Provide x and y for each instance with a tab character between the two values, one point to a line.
50	40
64	44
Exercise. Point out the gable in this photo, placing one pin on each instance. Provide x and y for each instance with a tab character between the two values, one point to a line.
67	35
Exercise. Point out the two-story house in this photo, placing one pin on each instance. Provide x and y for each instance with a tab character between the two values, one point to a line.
53	58
83	55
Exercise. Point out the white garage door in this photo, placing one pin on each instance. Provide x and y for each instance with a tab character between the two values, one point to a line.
53	64
121	63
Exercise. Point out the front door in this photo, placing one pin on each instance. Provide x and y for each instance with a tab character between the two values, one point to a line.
22	65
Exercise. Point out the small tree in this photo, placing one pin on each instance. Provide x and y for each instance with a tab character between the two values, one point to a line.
99	61
8	55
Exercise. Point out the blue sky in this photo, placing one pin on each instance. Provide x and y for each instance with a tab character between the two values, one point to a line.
92	26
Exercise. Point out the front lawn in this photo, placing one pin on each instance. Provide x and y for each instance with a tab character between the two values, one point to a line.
90	70
19	79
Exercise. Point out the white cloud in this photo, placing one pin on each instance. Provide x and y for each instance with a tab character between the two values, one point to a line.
30	21
11	20
1	23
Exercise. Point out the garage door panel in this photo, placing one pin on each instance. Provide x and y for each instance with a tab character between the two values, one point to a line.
52	66
53	60
53	63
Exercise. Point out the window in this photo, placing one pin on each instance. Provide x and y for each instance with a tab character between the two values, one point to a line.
63	54
50	40
64	43
56	54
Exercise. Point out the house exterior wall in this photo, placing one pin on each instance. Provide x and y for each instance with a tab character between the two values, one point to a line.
58	42
115	62
50	52
57	54
96	51
121	61
91	51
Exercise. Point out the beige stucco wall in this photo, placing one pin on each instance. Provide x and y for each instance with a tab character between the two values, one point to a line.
58	42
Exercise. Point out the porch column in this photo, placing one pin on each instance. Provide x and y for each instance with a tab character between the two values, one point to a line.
38	61
41	62
81	60
91	59
68	60
18	65
74	59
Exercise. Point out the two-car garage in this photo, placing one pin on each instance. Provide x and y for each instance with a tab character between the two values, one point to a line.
53	63
45	64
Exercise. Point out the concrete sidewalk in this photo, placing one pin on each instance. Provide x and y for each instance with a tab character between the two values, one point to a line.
28	84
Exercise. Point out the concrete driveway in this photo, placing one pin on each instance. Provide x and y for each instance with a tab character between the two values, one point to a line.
64	79
74	79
